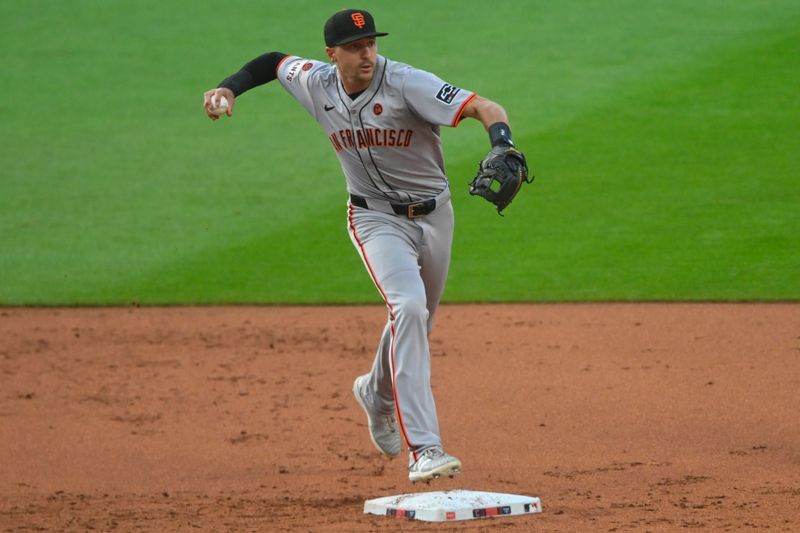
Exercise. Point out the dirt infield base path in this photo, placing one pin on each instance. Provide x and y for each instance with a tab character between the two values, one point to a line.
620	417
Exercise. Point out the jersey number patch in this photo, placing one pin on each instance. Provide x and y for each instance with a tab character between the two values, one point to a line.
447	93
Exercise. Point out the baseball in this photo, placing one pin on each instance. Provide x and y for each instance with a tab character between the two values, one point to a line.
219	104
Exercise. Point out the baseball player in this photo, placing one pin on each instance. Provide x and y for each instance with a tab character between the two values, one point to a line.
383	121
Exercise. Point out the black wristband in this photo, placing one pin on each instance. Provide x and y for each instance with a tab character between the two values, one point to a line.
500	134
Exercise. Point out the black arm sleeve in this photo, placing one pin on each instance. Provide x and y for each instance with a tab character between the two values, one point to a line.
257	72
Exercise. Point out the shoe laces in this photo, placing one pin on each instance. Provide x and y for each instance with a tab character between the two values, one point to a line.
432	453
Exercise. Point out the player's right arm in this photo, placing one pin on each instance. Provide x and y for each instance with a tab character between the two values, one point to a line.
259	71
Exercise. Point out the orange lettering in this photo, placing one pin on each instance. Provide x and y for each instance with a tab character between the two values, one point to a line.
335	142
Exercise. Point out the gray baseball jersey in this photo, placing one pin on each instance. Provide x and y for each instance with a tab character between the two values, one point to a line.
387	140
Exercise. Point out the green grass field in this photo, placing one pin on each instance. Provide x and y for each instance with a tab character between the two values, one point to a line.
665	137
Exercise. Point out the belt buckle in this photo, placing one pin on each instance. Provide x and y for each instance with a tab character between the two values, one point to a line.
411	210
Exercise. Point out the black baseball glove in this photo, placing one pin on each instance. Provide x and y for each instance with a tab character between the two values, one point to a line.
500	175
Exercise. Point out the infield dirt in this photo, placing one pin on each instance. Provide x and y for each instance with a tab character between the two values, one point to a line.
621	417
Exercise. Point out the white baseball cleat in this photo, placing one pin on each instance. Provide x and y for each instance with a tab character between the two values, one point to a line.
382	427
432	463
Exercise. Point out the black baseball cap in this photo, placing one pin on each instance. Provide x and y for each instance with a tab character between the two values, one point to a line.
350	25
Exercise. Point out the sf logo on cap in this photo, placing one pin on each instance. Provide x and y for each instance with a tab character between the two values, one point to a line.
358	20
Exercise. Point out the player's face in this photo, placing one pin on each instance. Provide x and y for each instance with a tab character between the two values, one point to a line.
356	62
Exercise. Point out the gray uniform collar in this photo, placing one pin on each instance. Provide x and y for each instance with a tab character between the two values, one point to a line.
369	92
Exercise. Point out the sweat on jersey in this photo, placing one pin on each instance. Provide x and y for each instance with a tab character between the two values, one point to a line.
387	139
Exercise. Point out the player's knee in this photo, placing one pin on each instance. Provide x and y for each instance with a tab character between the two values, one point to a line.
412	308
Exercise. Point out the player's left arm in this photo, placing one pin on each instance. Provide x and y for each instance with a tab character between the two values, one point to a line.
486	111
493	117
504	169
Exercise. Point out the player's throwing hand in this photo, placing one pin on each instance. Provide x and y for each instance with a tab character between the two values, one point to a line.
212	100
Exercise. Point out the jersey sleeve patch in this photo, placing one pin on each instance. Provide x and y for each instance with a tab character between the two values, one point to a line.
433	99
293	69
446	93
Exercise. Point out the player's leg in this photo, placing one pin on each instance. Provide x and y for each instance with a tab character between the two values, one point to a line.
409	356
389	247
434	261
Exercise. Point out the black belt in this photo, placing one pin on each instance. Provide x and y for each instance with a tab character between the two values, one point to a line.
412	210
